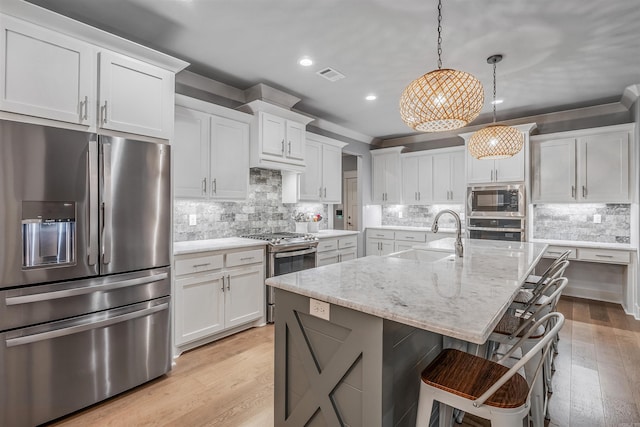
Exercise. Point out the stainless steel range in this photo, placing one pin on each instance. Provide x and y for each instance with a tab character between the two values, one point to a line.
286	253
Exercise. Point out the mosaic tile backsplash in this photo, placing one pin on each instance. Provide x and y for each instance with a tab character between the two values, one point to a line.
419	216
262	211
575	222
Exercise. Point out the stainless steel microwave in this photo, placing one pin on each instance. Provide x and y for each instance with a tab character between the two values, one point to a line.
496	201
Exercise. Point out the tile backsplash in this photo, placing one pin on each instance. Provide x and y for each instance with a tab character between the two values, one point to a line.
576	222
419	216
263	210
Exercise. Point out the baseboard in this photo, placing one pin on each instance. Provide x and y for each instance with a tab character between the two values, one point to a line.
594	294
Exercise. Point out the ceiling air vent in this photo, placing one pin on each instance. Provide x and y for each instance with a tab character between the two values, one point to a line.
330	74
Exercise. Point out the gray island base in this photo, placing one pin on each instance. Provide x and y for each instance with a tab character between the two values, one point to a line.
352	338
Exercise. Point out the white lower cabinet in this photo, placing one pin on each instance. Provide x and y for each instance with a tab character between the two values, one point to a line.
380	242
383	241
217	292
337	249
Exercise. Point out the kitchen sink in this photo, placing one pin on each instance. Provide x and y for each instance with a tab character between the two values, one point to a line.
424	255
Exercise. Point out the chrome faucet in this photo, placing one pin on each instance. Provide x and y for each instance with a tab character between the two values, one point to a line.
458	243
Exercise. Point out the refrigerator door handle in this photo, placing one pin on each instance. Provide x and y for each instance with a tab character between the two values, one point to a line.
47	296
107	225
92	220
12	342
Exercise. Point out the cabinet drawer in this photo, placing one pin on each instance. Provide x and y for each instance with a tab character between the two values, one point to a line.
556	251
381	234
327	245
198	263
245	257
411	236
603	255
347	242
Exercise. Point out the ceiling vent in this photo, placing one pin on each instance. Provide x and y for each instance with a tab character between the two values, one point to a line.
330	74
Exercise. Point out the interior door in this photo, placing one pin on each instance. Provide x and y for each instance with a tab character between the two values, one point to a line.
136	205
351	203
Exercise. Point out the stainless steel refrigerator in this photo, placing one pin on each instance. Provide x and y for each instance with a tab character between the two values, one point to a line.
85	273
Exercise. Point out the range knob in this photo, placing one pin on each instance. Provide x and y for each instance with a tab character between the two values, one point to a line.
277	241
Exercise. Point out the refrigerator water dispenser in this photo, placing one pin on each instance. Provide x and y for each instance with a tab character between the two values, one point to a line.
48	234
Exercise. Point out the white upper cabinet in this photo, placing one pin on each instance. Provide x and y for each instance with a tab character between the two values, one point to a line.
512	169
135	97
448	176
278	137
46	74
591	165
50	75
322	179
190	153
211	152
417	179
387	176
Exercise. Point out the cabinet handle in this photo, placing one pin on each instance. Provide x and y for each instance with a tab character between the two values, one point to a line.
491	175
222	283
282	144
496	174
573	191
409	237
604	256
201	265
214	186
104	112
320	192
228	282
204	185
247	258
289	147
325	192
419	196
415	196
84	105
584	191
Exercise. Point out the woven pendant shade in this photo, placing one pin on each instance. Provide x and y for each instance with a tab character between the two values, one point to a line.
441	100
496	142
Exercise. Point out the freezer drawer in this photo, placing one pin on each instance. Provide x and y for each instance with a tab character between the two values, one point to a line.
46	303
50	370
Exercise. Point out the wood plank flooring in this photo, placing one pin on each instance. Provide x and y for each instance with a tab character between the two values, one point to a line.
230	382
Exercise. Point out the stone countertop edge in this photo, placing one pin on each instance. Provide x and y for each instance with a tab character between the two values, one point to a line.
225	243
410	292
410	228
325	234
583	244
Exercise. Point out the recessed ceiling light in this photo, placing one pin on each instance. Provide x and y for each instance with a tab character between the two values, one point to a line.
370	97
498	101
305	62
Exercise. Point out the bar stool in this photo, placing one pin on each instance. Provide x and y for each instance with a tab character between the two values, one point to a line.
482	387
511	326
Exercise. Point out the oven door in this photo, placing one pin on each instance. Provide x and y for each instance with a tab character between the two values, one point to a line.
510	235
496	201
292	261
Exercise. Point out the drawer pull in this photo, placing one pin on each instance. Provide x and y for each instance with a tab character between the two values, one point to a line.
604	256
554	253
247	258
201	265
409	237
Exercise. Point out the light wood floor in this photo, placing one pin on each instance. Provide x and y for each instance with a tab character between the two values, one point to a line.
230	382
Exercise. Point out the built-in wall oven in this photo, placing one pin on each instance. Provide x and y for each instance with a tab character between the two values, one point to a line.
497	212
286	253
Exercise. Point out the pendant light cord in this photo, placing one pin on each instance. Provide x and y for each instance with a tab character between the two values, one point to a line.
439	34
494	92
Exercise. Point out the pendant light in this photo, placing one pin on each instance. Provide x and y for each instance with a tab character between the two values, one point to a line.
495	141
443	99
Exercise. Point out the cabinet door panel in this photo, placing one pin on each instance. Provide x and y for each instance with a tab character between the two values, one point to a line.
410	179
379	183
554	173
387	248
272	128
393	178
190	153
511	169
604	167
373	247
199	307
45	74
331	174
311	179
425	179
441	178
244	296
479	171
348	255
458	182
135	97
229	159
294	148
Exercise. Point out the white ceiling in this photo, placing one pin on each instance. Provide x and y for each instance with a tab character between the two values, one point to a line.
558	54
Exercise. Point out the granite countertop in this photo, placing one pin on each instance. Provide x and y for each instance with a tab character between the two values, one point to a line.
464	298
181	248
581	244
410	228
324	234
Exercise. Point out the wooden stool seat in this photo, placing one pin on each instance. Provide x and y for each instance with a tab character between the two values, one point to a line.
510	324
469	376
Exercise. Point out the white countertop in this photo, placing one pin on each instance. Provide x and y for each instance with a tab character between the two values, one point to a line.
463	299
324	234
580	244
181	248
409	228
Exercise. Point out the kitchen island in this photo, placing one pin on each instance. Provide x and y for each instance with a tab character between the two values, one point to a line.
352	338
